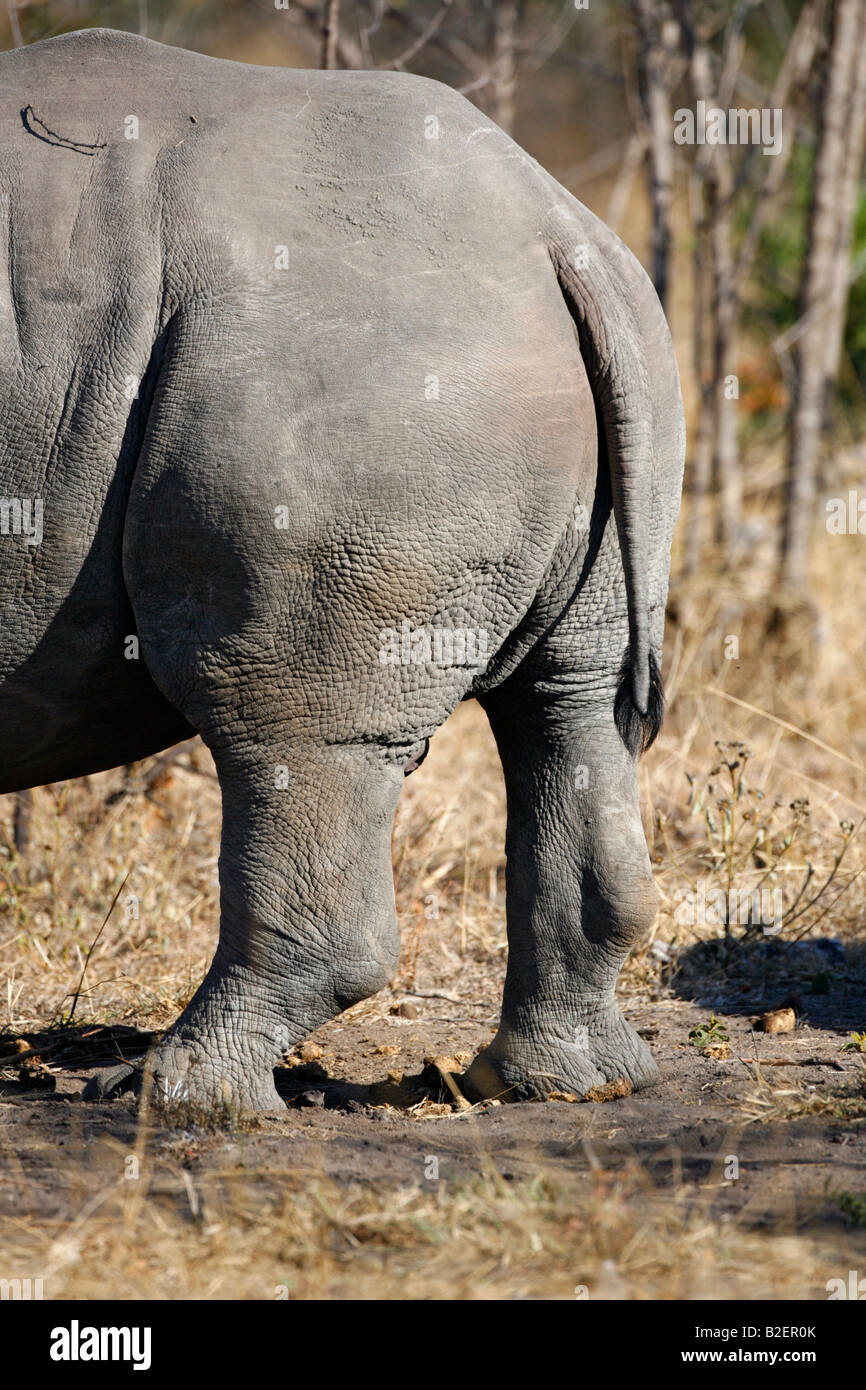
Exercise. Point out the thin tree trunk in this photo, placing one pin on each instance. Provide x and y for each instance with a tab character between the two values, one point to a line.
847	210
715	456
700	472
726	453
617	203
331	34
14	25
792	77
713	232
828	241
503	66
654	68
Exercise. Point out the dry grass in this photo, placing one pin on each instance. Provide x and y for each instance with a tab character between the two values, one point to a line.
793	694
768	1100
605	1235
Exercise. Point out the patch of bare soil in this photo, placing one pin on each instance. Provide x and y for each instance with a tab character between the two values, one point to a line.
774	1132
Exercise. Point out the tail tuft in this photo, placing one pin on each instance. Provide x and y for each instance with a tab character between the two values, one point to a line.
639	731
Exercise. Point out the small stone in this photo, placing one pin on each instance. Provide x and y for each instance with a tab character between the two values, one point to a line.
395	1077
405	1010
777	1021
614	1090
312	1098
443	1064
387	1050
309	1052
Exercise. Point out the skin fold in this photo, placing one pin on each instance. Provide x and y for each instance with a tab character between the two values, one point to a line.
339	410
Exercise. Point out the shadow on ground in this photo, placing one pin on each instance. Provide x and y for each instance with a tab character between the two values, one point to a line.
31	1062
822	981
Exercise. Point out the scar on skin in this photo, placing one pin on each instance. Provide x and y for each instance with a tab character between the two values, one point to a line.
34	126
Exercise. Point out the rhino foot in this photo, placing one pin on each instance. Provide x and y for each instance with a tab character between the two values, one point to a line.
190	1078
602	1059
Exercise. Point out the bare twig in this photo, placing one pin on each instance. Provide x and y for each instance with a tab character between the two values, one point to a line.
427	33
94	944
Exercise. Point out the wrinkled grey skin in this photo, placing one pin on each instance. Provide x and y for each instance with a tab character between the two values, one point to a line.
461	390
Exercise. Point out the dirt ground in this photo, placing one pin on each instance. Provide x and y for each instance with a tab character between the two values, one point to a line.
736	1177
349	1117
770	1139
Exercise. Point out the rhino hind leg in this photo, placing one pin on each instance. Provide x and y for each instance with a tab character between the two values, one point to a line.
578	887
308	923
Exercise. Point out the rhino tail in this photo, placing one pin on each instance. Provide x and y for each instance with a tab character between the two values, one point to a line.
601	283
